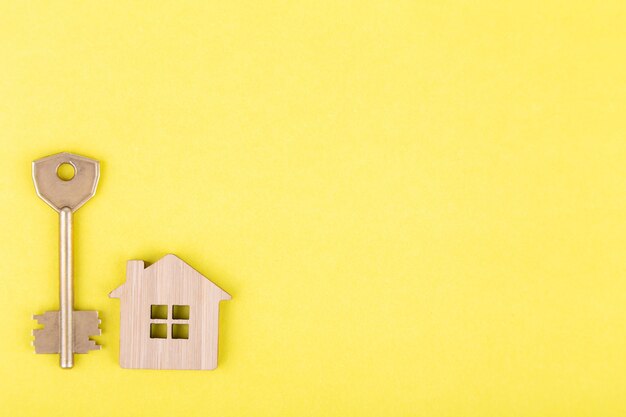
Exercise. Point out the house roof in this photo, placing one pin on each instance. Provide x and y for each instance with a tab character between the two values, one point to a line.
172	260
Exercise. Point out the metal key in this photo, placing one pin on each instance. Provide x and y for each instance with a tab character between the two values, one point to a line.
66	331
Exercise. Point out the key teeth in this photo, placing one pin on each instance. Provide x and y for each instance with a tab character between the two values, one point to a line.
86	325
93	345
47	338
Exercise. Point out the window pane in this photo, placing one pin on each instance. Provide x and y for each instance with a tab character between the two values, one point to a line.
158	311
180	312
158	331
180	331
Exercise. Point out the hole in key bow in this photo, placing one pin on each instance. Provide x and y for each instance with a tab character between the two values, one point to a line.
66	171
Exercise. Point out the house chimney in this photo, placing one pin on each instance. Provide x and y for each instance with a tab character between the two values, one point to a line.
134	269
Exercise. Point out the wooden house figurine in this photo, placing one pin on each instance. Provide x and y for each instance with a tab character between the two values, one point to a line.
169	316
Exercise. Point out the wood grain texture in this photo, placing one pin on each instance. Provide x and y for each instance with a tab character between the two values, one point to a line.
170	281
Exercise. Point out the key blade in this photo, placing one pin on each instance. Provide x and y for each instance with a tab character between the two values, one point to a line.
47	339
59	193
86	325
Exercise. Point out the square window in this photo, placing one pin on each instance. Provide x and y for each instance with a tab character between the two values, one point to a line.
180	312
180	331
158	331
158	311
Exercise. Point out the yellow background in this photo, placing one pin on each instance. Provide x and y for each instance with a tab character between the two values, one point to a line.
419	207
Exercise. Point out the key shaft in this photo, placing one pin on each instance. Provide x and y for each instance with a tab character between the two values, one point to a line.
66	288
